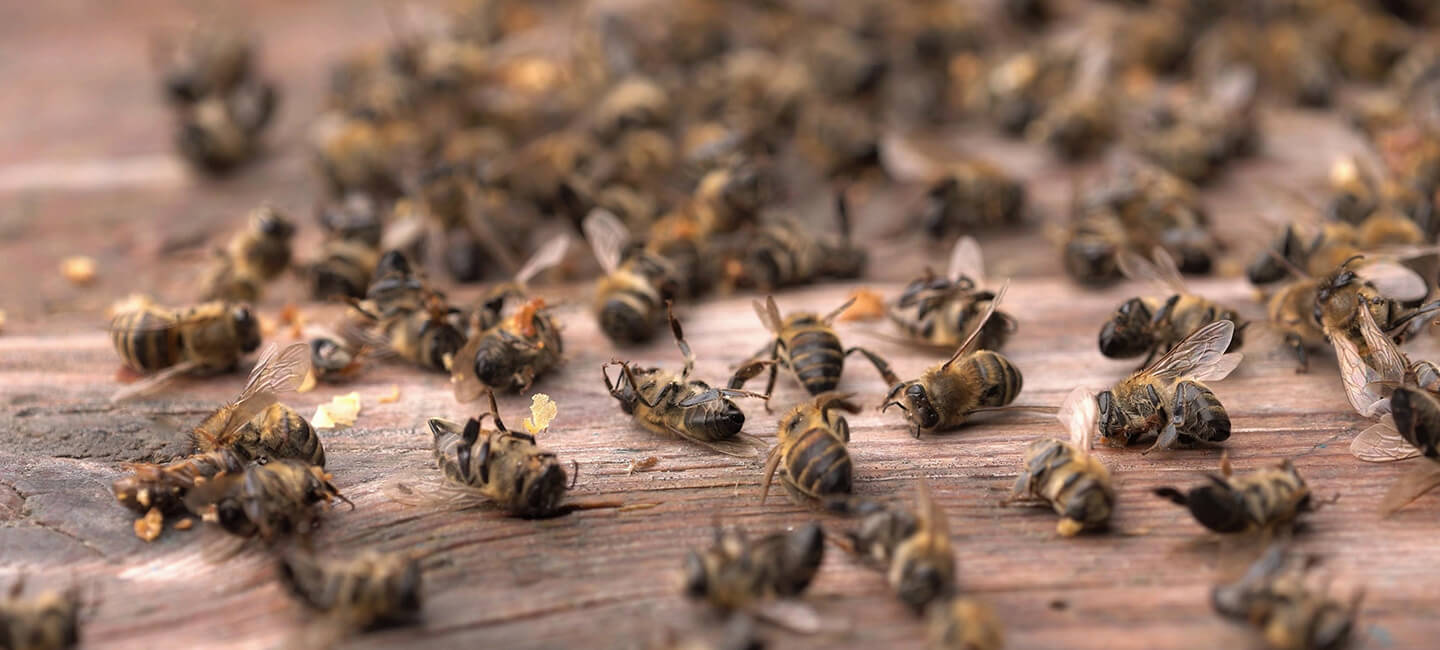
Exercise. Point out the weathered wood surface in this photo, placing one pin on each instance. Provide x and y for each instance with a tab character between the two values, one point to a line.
78	94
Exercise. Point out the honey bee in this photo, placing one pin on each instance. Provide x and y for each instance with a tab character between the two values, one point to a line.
970	381
1367	43
736	573
942	312
1313	250
807	346
353	217
1081	122
270	499
1268	500
1167	398
1138	209
786	252
1020	87
915	545
207	338
218	133
510	352
505	467
1193	141
964	624
811	446
395	289
637	282
960	195
429	338
1291	612
732	195
678	405
1065	475
49	620
632	104
251	427
1153	324
252	258
343	270
842	64
1379	286
369	590
361	152
338	356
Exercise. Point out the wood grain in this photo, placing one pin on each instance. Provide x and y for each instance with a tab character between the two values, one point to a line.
602	578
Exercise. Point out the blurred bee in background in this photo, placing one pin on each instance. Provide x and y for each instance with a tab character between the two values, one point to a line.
1276	595
430	337
363	152
1381	382
218	133
1065	475
964	624
942	311
785	252
1167	398
343	269
49	620
1193	140
206	338
507	468
915	546
632	104
961	195
840	140
269	500
811	447
510	352
1268	500
221	107
1020	87
1154	324
970	381
369	590
807	346
252	258
637	283
207	60
1365	43
735	573
353	217
1080	123
1291	62
1385	210
1138	209
678	405
336	356
1314	249
467	231
843	64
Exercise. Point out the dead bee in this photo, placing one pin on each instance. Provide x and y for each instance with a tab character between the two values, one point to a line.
1167	399
163	487
395	288
1138	209
510	352
942	312
428	338
961	195
1020	87
362	152
733	194
336	357
209	338
1314	250
735	573
1367	43
354	217
253	258
506	467
269	500
1382	383
49	620
811	446
369	590
1291	612
678	405
1152	325
343	270
839	139
218	133
1194	140
842	63
964	624
1065	475
807	346
785	252
637	283
915	545
1081	122
1267	500
971	380
1380	287
632	104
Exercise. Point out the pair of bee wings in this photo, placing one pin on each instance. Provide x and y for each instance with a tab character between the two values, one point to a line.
279	370
1368	386
1163	272
1201	356
607	235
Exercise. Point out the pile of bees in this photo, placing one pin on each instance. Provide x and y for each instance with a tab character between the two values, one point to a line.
676	144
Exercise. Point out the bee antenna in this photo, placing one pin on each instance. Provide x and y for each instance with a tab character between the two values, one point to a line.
575	473
495	412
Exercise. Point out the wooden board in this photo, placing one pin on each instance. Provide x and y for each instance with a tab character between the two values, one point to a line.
603	578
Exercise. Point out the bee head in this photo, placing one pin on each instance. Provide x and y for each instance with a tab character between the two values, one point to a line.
625	323
247	329
697	579
1110	420
272	224
622	388
1128	332
919	409
543	486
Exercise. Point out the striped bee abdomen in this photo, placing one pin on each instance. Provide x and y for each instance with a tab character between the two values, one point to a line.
817	358
715	420
146	340
1000	377
819	464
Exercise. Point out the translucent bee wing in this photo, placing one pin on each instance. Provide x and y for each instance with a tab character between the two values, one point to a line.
1080	416
741	446
791	615
1163	273
1393	280
547	256
1200	355
1381	443
153	382
966	261
279	370
1389	362
904	162
1360	379
607	236
979	325
769	313
1410	487
463	380
932	516
445	496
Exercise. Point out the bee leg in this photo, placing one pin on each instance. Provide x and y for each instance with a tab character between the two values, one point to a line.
1298	346
880	364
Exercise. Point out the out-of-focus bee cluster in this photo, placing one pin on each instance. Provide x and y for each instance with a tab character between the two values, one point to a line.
221	103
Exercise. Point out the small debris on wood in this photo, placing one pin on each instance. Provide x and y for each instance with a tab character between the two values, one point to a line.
79	270
868	305
392	396
342	411
641	464
542	411
184	524
149	527
308	383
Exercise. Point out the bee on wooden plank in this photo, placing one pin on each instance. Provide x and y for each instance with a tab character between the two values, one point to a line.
1194	140
1081	122
1019	88
1065	475
960	195
760	577
914	545
1267	500
1154	324
629	300
507	468
49	620
785	252
945	395
252	258
366	591
270	500
1138	209
811	448
206	338
220	132
1167	398
509	352
1313	248
1292	612
943	311
964	624
666	403
807	346
343	269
